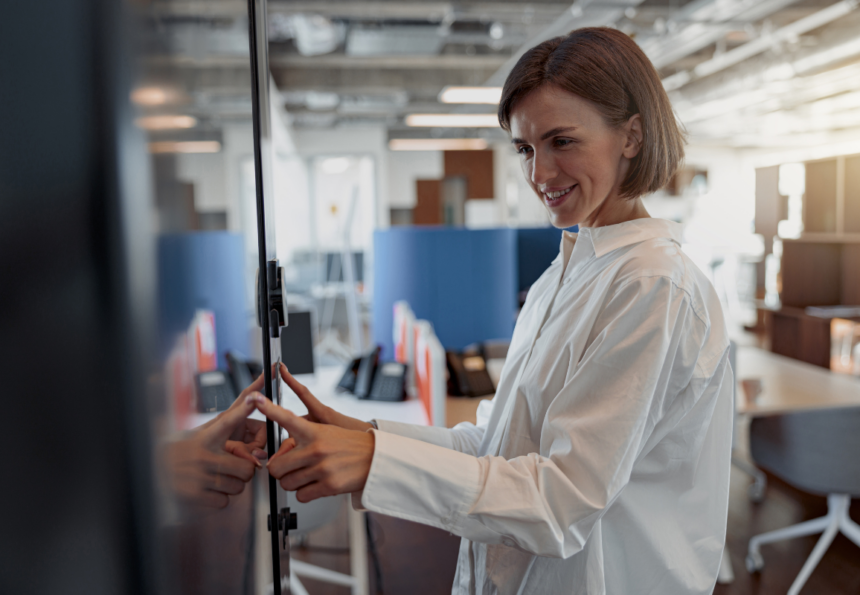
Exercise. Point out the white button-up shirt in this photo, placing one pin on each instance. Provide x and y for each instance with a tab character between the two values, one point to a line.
602	463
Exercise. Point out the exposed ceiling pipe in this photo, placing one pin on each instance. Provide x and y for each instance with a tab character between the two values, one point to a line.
582	13
716	18
762	44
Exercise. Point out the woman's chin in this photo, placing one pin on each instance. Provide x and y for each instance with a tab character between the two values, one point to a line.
562	220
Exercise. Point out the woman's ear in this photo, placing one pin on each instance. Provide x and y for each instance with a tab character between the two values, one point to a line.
633	132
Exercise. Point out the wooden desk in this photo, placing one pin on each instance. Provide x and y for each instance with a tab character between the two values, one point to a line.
791	385
459	409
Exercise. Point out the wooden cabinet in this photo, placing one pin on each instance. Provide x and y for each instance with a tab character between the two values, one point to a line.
822	267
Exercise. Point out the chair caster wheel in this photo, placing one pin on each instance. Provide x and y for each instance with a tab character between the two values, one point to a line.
754	562
756	492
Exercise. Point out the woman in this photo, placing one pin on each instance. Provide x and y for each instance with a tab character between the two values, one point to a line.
602	463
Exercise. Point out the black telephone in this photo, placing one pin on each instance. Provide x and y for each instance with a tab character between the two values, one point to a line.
217	389
467	375
366	378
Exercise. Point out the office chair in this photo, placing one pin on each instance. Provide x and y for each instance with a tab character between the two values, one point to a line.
815	451
312	516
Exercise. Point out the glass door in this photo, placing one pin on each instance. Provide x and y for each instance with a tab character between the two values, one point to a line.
271	294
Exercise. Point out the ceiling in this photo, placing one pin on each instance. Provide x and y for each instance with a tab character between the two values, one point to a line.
741	72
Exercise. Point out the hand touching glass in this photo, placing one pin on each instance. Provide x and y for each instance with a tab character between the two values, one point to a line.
317	412
318	459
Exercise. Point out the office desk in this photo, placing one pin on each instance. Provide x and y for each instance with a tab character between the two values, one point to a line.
791	385
322	385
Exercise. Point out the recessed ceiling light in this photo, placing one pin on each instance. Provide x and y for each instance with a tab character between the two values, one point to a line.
453	120
488	95
166	122
437	144
196	146
150	96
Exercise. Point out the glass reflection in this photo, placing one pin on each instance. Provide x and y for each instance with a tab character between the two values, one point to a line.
193	101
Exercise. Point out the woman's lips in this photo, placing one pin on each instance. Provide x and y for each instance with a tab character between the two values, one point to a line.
556	197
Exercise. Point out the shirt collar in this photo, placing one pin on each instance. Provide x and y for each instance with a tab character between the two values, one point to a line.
611	237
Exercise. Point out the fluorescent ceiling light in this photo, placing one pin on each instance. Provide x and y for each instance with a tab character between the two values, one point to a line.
437	144
195	146
490	95
150	96
453	120
166	122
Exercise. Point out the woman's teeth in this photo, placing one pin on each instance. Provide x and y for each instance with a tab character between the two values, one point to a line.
555	195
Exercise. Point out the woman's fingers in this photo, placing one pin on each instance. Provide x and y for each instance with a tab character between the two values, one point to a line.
254	387
316	410
226	485
210	499
299	478
312	492
244	451
234	466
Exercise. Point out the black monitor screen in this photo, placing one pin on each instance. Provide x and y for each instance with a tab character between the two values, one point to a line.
297	344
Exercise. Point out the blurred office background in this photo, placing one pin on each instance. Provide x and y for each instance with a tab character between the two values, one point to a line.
372	132
384	131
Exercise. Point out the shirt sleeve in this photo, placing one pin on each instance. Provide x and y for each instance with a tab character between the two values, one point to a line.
464	437
643	350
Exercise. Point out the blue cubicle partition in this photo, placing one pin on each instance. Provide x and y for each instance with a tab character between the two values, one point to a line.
464	281
203	270
536	249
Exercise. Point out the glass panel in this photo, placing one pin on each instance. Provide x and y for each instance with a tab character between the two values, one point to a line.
194	100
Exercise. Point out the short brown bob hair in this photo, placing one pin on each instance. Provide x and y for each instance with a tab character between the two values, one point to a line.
606	67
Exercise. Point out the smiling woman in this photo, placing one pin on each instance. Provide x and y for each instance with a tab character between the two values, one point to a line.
608	70
601	465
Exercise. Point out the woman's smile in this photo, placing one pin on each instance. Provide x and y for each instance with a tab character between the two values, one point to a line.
555	197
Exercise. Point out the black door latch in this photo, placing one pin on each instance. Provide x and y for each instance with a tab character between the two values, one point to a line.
287	521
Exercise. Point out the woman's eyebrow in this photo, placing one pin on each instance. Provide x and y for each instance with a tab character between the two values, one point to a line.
546	135
555	131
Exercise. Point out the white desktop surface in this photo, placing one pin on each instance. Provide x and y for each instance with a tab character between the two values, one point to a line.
322	384
792	385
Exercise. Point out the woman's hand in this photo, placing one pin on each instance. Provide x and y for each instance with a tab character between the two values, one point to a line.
201	470
317	460
317	412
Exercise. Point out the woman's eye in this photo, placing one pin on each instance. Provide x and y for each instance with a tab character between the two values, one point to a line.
523	149
563	142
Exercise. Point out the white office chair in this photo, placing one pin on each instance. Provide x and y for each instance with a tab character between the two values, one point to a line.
312	516
815	451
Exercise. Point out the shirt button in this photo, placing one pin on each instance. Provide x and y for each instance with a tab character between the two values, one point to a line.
508	541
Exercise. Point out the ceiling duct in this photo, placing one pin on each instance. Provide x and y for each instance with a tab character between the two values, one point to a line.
582	13
394	41
313	34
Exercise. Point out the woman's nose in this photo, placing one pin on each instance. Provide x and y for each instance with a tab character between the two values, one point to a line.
543	169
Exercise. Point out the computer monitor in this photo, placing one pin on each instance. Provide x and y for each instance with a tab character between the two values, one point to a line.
297	343
334	267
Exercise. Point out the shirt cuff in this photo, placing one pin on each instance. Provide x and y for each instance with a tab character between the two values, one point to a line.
421	482
430	434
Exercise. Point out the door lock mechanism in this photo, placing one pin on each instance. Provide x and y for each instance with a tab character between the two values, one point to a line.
277	298
287	521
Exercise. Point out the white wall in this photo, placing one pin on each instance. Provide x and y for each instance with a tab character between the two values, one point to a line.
404	167
206	172
371	141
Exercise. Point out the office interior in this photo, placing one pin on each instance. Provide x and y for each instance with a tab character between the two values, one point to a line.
396	208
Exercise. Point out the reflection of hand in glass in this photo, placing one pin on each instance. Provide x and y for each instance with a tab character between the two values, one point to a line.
202	470
248	440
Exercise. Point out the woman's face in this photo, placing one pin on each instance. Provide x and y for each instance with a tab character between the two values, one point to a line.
573	160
